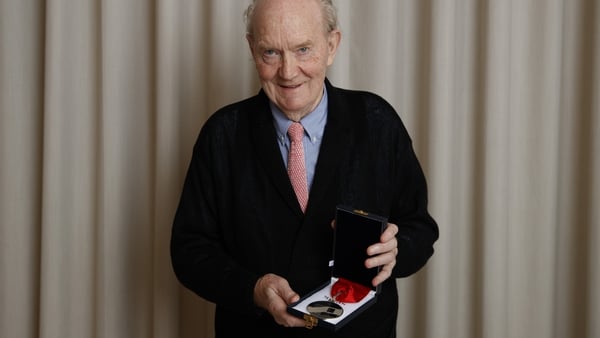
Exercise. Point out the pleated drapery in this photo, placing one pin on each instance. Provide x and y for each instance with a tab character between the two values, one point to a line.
101	101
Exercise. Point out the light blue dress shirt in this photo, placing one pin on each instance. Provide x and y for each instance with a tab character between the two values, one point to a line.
314	126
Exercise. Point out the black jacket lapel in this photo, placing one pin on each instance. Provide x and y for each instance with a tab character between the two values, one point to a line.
265	143
338	132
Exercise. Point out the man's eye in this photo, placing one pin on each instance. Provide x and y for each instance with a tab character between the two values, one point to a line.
303	50
270	52
270	56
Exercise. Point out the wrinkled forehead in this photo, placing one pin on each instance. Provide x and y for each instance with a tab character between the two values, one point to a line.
289	17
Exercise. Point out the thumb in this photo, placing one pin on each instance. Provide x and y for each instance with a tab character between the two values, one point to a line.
292	297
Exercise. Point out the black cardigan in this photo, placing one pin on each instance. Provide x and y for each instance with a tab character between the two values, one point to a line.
238	217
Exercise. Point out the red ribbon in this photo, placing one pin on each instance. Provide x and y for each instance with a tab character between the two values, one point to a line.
346	291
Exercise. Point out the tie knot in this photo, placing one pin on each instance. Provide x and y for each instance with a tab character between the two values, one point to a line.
296	132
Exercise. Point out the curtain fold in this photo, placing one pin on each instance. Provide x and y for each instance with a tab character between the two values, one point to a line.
101	102
21	133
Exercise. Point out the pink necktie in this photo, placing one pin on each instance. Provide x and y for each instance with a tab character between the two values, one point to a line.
296	169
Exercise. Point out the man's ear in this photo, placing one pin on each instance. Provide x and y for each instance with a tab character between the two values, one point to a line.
250	40
333	41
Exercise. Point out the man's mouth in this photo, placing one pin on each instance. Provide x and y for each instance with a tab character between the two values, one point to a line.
290	86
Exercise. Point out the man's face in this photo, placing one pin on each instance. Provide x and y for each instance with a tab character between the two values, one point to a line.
292	50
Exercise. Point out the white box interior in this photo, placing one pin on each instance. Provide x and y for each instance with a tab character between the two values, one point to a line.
325	295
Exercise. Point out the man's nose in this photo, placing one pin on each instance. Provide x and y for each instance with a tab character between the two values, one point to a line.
288	67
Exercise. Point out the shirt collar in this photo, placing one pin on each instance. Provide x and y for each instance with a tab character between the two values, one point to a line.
313	123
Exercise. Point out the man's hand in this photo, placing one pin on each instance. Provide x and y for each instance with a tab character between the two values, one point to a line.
383	254
273	293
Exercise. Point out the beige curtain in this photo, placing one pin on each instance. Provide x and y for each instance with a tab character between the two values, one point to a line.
101	100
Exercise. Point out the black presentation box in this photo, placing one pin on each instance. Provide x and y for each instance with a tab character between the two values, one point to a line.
355	231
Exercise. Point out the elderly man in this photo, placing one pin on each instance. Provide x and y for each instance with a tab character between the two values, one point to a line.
253	231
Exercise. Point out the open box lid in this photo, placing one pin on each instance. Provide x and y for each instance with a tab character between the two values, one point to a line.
355	231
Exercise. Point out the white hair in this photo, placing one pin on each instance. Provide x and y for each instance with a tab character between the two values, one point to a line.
329	15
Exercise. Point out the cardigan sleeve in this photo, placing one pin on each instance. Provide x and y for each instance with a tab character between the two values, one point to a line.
199	255
418	231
